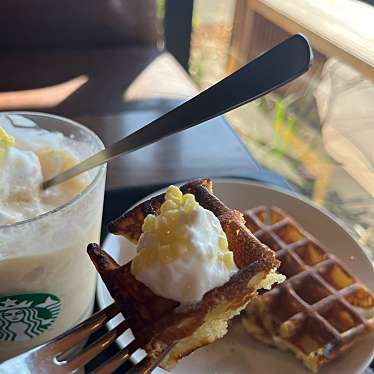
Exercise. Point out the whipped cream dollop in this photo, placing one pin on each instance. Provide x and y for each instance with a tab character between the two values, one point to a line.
29	155
183	252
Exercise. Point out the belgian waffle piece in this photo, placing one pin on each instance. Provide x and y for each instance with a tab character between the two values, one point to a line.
321	309
155	321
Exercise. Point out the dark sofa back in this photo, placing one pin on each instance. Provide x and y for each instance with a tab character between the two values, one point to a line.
61	24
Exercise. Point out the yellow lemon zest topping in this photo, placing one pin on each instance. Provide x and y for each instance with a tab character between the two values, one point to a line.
167	239
6	140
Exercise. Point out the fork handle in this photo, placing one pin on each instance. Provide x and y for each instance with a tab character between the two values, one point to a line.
276	67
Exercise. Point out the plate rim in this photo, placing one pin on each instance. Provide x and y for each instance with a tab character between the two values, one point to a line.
293	194
290	193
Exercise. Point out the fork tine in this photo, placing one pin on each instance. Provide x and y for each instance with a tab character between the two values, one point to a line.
118	359
83	357
148	364
83	330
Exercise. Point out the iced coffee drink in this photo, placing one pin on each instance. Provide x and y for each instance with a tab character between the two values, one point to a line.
47	281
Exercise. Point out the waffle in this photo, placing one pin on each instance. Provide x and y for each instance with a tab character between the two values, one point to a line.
321	309
156	321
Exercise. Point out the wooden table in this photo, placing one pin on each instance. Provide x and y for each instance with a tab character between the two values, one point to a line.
211	149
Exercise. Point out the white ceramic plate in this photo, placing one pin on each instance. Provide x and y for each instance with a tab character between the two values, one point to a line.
237	353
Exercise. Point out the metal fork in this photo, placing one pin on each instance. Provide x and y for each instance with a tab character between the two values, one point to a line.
56	355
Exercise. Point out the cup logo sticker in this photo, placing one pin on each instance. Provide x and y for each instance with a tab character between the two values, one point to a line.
26	316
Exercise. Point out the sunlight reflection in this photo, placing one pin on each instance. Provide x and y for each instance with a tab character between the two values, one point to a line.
46	97
173	82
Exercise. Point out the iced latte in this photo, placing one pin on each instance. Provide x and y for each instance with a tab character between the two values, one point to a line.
47	282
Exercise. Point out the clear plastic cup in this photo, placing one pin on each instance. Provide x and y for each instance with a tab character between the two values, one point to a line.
47	281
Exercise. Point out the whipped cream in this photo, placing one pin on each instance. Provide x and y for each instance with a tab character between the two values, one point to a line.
29	155
183	252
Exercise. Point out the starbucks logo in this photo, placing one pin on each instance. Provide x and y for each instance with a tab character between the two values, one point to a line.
26	316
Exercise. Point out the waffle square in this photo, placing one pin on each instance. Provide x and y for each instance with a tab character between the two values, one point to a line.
156	321
321	308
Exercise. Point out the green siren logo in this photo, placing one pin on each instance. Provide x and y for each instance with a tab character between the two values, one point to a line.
26	316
